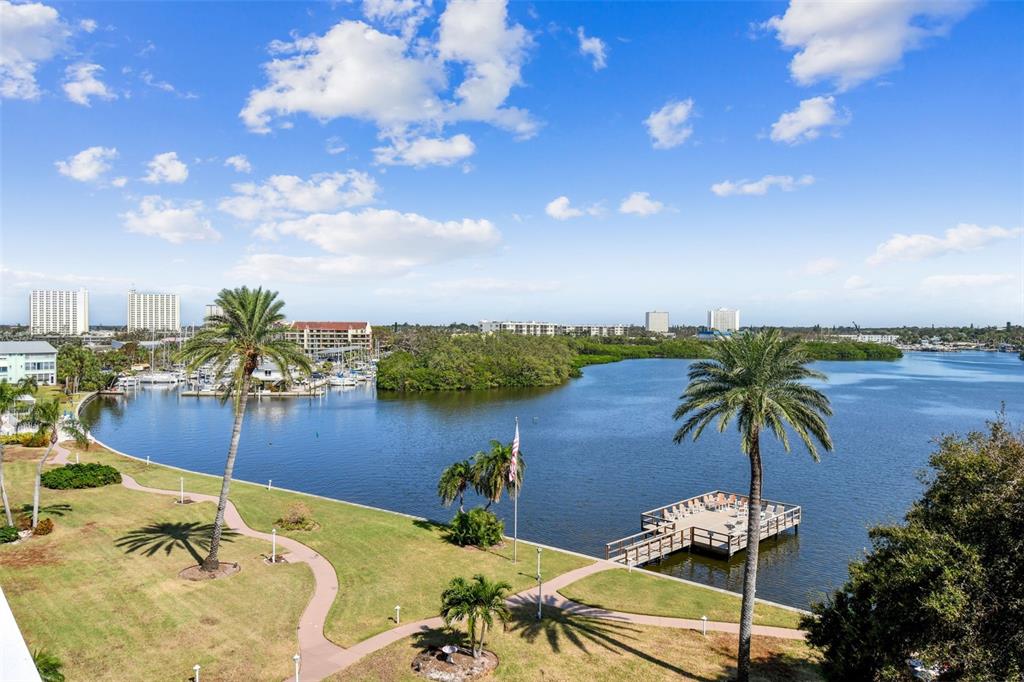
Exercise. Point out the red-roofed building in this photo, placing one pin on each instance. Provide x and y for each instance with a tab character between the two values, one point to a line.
317	336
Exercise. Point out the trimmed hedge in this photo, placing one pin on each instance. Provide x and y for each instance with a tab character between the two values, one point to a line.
29	439
80	476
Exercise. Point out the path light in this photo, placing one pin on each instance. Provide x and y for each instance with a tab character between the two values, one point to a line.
398	615
181	499
76	459
147	460
296	658
704	625
273	545
195	673
269	482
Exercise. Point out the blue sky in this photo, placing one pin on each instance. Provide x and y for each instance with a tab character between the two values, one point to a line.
574	162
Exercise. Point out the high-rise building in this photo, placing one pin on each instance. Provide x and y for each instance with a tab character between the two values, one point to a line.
53	311
656	322
153	312
724	320
551	328
210	310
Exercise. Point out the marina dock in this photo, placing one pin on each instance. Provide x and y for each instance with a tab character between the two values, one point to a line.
715	522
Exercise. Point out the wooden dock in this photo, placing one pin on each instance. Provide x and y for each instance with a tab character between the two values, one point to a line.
714	522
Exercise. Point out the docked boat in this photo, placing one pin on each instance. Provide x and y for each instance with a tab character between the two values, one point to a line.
158	378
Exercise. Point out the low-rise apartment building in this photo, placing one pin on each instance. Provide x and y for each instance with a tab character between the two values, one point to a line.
315	337
23	359
551	328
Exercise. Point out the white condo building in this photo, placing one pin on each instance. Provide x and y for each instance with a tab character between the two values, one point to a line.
153	312
210	310
53	311
656	322
724	320
551	328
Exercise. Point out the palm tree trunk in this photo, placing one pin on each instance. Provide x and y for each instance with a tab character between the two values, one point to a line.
39	483
211	563
3	490
750	568
483	633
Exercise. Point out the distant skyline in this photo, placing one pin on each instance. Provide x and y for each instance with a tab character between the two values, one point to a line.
573	162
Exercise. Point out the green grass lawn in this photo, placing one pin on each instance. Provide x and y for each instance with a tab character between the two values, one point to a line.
566	649
382	559
102	591
638	592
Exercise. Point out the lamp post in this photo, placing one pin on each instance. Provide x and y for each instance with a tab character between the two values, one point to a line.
398	615
704	625
195	673
269	482
296	658
540	586
273	545
181	498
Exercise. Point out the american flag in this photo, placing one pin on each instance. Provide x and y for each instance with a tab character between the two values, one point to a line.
513	467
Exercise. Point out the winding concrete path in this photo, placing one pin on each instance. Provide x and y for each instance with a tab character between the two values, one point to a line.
322	658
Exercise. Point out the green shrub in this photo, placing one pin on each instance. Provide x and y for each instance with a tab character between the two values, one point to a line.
48	666
298	518
80	476
44	527
29	439
478	527
8	534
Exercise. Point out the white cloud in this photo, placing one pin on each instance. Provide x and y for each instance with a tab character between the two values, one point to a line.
176	222
30	33
820	266
87	165
166	167
851	42
149	79
81	83
640	203
335	146
962	238
787	183
425	151
560	208
808	120
239	162
488	286
355	70
594	48
88	25
274	267
393	234
406	15
289	196
854	282
947	283
30	279
669	126
119	182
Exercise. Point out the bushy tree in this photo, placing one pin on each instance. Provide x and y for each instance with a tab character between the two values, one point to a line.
478	602
946	585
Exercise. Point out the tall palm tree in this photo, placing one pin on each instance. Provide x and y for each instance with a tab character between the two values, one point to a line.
475	601
45	417
454	481
9	394
758	380
491	472
235	343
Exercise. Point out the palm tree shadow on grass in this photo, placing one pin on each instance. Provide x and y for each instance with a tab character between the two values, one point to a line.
60	509
773	666
561	629
168	536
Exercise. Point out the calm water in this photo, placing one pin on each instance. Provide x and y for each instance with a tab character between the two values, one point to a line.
599	451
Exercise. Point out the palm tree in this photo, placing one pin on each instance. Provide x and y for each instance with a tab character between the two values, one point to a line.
78	428
758	380
235	343
45	417
454	481
476	601
491	472
9	394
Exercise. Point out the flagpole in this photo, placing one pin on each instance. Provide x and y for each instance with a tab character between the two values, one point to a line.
515	507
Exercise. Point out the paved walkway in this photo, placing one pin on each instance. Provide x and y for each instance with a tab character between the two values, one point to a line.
322	657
